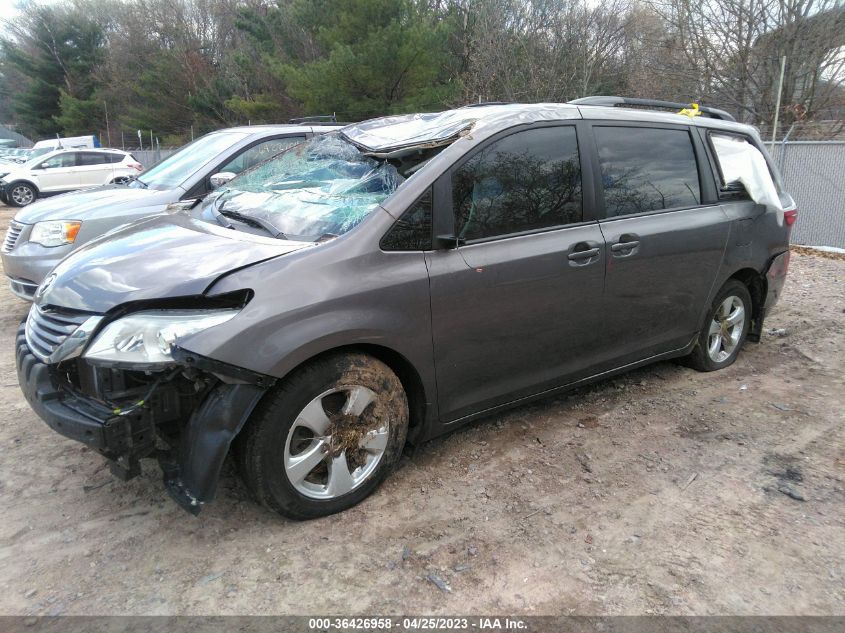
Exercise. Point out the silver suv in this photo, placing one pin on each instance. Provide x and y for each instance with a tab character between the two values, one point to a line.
43	233
391	281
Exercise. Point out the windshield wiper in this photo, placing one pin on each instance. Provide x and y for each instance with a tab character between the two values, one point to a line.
215	211
253	221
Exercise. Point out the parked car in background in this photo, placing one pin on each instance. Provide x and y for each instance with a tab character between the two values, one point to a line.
399	278
43	233
63	170
15	155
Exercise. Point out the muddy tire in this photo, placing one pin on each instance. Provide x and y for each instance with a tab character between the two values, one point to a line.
325	438
725	329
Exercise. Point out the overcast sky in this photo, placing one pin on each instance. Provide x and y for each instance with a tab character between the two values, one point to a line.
7	12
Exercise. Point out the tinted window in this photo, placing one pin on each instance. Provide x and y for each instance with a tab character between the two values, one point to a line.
412	232
260	152
92	158
114	158
645	169
526	181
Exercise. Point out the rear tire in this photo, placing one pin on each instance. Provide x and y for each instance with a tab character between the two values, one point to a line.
325	438
725	329
20	194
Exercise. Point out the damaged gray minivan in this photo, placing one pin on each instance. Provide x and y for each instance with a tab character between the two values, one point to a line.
391	281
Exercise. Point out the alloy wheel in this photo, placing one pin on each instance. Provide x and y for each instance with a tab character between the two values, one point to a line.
726	329
22	195
336	442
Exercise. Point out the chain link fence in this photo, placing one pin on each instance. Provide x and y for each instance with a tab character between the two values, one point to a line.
149	157
814	174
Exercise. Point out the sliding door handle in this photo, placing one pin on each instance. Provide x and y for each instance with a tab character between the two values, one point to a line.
587	254
624	246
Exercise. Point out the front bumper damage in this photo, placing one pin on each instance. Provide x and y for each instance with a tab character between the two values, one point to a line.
185	417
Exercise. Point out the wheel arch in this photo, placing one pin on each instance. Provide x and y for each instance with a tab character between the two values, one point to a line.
756	284
418	401
23	181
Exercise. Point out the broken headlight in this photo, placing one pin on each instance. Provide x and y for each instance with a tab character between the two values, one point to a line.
146	338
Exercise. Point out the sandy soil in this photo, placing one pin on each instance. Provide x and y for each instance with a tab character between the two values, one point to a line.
664	491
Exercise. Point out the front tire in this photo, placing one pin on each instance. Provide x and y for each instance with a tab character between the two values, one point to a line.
725	329
20	194
325	438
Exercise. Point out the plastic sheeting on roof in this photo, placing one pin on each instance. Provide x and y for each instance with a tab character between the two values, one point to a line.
741	162
437	128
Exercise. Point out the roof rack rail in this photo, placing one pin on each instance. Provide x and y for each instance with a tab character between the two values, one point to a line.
318	118
480	104
714	113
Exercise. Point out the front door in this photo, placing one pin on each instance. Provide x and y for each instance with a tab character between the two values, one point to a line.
58	173
665	241
516	308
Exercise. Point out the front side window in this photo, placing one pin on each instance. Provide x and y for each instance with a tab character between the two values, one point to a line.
314	191
412	231
61	160
260	152
527	181
646	169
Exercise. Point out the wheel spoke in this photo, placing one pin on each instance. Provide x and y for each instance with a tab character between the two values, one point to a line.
357	400
737	316
725	308
733	337
375	441
314	417
299	466
715	327
340	479
715	345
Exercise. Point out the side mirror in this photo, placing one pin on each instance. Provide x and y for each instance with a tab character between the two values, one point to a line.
221	178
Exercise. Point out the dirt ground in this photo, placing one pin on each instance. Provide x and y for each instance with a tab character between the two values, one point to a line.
665	491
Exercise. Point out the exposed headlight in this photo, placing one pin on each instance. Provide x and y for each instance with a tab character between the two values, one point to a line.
146	338
55	232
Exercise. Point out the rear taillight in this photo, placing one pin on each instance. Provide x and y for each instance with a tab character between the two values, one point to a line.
137	166
790	216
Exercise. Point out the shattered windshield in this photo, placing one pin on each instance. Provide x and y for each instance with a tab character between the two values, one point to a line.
321	188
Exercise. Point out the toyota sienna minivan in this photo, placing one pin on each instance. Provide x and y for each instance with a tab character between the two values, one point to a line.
390	281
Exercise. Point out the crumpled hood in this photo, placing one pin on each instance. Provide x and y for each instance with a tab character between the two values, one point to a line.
81	205
160	257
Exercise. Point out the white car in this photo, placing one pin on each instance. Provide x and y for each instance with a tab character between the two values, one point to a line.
65	170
